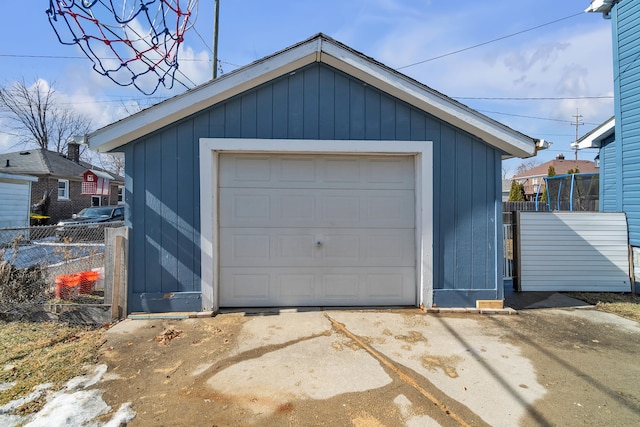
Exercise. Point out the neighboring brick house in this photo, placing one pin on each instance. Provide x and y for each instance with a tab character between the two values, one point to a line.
534	178
59	179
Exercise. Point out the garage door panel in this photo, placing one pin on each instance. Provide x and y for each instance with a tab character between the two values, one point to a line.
315	286
343	209
390	247
251	208
296	170
345	171
382	285
298	286
340	249
248	248
390	210
319	208
340	286
295	248
395	172
249	284
316	230
368	247
310	171
296	207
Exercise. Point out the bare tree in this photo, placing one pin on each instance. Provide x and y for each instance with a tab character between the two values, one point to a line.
526	166
35	114
113	163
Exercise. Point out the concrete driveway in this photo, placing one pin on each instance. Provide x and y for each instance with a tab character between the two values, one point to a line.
377	368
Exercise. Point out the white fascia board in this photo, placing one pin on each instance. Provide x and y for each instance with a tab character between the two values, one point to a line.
603	6
140	124
17	178
497	135
594	138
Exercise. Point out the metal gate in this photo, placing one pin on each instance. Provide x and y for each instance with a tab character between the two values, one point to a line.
508	245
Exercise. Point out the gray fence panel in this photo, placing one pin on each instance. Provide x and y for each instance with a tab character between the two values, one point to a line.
573	251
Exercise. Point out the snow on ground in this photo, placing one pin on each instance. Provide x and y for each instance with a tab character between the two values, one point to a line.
74	405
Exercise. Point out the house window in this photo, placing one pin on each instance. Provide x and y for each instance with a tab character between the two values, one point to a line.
63	189
96	201
120	194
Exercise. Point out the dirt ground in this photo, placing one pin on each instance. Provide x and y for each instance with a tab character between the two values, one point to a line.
589	370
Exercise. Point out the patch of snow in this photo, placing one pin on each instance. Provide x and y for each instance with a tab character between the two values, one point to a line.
87	380
124	415
6	386
71	409
10	420
15	404
74	405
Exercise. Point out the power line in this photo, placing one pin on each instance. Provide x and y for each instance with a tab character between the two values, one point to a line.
490	41
532	117
531	98
12	55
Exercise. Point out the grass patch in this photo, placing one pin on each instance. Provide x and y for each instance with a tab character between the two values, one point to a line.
623	304
38	353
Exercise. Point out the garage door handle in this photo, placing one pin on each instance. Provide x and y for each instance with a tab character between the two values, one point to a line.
318	243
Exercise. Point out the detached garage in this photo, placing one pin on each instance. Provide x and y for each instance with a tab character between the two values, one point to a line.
313	177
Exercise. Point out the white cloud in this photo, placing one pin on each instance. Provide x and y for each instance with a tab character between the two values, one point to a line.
7	140
569	63
194	65
541	56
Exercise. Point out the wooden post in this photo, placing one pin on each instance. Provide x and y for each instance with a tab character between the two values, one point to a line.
116	256
116	310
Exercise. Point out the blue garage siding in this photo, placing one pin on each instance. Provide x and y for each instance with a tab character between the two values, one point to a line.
316	102
626	41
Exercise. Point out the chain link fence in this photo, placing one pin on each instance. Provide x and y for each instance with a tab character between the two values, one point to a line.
53	264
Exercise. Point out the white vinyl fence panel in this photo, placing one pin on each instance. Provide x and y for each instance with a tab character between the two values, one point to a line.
573	251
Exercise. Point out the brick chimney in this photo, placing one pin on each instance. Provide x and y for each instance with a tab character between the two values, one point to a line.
73	152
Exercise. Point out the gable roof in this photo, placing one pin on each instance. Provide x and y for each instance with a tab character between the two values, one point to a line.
100	174
41	162
321	49
594	138
561	167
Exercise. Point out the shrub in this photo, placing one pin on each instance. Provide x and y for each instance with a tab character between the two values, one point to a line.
20	285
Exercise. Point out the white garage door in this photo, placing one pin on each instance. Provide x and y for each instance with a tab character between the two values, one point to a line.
15	201
316	230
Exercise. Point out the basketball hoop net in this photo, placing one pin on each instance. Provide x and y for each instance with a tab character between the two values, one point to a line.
134	43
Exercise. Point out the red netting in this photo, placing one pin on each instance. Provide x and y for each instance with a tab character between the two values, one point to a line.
134	43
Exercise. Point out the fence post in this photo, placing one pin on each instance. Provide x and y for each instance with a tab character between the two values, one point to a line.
516	251
115	274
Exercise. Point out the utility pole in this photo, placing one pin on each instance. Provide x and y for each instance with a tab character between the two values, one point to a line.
577	123
216	14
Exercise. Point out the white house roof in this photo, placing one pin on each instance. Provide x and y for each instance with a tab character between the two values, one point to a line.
101	174
594	138
320	49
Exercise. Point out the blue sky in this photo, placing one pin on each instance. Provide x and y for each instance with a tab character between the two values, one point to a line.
566	60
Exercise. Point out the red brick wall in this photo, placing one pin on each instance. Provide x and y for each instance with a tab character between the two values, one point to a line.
62	209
